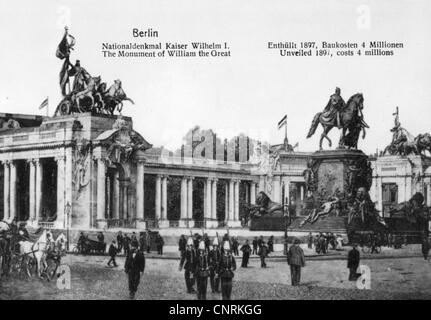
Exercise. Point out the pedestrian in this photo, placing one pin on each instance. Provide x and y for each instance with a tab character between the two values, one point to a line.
134	267
182	243
207	242
188	262
142	242
148	238
322	244
425	247
81	242
202	271
263	253
296	260
310	241
235	246
134	240
120	239
260	241
271	244
160	244
353	258
214	260
226	268
112	253
246	250
126	245
254	243
100	237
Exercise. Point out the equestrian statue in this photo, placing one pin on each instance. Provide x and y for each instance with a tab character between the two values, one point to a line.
346	116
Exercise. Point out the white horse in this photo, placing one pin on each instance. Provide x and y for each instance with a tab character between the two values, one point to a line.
37	250
61	243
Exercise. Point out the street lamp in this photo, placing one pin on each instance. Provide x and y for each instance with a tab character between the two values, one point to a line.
67	209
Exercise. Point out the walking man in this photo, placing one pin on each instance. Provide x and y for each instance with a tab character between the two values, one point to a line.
226	269
246	250
112	253
188	261
254	246
202	271
296	260
263	253
353	258
310	241
134	267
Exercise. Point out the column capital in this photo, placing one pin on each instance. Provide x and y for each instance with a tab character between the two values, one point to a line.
60	158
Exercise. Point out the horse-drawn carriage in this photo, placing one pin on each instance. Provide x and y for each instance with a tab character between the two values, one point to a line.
90	246
32	255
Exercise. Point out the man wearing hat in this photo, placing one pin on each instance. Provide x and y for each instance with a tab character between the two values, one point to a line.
296	260
188	261
134	267
226	268
353	258
214	259
202	271
263	253
246	250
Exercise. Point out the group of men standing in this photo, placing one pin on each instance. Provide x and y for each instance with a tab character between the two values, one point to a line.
201	262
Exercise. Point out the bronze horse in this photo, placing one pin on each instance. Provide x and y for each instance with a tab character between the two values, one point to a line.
350	118
265	206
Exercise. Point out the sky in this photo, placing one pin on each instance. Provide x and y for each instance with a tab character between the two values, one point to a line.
248	92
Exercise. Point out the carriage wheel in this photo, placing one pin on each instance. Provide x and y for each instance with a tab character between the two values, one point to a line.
366	248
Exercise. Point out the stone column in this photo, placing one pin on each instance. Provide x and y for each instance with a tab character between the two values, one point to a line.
6	189
276	189
379	192
32	193
252	192
190	208
60	191
38	200
183	218
208	201
68	178
140	223
226	198
262	184
231	216
12	191
158	198
116	209
101	193
236	200
164	222
214	200
287	191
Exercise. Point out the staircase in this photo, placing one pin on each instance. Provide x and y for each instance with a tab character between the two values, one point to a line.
327	224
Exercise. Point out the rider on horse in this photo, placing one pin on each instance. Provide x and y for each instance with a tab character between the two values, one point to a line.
333	108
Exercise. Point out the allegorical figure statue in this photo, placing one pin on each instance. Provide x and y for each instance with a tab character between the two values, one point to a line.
347	116
88	94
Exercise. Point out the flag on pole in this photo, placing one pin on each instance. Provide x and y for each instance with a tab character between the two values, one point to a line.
44	104
282	122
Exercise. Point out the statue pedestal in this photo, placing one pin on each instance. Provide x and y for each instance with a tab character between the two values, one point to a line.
340	171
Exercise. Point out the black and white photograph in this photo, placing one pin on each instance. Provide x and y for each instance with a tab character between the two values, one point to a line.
215	150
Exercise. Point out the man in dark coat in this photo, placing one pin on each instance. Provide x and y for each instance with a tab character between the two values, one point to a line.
148	238
254	243
246	250
188	262
214	261
263	253
353	258
120	239
226	268
134	267
296	260
112	253
126	244
235	246
182	243
202	271
142	242
271	244
134	240
160	244
425	247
